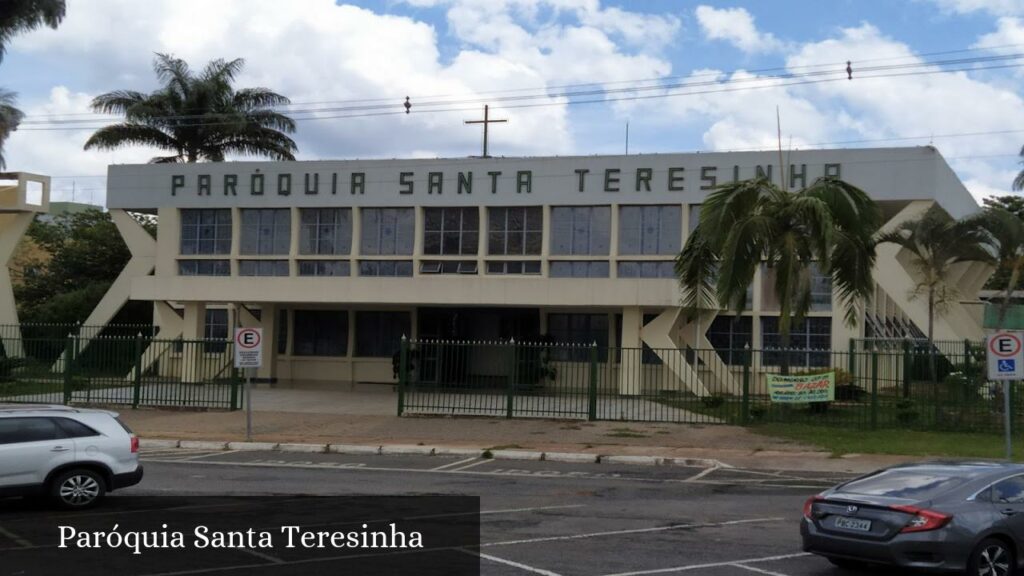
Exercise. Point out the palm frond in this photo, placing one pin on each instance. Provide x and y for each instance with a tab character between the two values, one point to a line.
117	102
118	135
18	16
696	269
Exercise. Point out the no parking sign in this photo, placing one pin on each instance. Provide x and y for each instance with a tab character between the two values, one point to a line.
248	347
1005	356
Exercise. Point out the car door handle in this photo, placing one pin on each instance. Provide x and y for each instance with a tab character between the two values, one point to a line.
59	449
1008	511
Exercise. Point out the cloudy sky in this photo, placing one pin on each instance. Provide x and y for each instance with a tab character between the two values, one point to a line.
568	74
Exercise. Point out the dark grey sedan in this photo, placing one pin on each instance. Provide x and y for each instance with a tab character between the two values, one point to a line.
943	516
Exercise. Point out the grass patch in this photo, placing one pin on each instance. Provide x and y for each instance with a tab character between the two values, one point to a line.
888	441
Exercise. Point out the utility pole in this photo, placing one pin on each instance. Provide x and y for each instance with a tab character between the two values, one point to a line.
486	122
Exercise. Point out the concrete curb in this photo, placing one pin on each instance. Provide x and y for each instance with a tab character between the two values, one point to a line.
417	450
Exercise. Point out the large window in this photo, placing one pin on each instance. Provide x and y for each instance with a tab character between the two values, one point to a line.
324	268
579	269
729	336
325	231
580	329
266	230
262	267
647	269
580	230
451	230
206	231
215	328
809	342
650	229
379	334
513	267
514	231
320	333
387	231
282	330
204	268
394	268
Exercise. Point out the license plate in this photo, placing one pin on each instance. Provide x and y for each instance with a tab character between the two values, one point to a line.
859	524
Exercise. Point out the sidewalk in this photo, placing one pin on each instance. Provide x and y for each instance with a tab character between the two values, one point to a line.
731	445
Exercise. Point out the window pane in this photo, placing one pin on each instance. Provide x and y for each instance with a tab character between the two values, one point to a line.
19	430
379	334
629	230
320	333
561	230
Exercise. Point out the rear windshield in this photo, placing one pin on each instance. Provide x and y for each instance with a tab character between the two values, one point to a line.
123	425
921	484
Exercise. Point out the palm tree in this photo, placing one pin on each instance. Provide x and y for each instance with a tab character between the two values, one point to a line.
197	116
936	242
746	223
1005	231
19	16
10	117
1018	182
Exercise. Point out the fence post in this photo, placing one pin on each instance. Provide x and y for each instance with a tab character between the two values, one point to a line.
592	388
403	376
745	406
510	400
69	359
907	362
851	360
874	387
236	384
137	376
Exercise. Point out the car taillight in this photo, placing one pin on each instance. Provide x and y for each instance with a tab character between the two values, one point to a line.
135	444
809	505
923	519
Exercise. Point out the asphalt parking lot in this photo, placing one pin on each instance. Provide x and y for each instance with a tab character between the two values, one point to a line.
550	518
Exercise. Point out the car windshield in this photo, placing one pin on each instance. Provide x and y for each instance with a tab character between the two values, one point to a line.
917	483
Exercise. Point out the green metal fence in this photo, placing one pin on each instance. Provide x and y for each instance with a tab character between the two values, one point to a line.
877	386
134	370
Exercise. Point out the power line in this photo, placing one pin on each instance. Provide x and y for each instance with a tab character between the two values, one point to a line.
545	92
721	88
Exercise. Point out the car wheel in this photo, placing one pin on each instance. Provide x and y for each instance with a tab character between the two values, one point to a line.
991	557
77	489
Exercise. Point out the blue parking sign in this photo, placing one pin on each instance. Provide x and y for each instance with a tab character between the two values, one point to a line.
1008	365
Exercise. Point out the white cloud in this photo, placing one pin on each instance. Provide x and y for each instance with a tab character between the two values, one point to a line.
735	26
318	51
1009	31
997	7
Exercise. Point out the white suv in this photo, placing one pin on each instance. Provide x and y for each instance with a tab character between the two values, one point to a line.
72	455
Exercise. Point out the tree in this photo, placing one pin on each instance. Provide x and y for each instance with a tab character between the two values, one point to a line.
746	223
1005	231
10	117
936	242
1018	182
17	16
197	116
1015	205
85	253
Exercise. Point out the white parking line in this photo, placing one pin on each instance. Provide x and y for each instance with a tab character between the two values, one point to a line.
736	563
453	464
15	538
632	531
701	474
515	564
758	570
473	465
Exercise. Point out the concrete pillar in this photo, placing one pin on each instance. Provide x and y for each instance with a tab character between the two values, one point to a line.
192	330
630	366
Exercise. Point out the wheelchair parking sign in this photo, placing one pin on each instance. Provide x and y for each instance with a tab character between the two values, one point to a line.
1005	356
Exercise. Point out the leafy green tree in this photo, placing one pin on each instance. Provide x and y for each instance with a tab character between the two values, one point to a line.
1015	205
1005	230
746	223
1018	182
85	254
16	17
197	117
936	243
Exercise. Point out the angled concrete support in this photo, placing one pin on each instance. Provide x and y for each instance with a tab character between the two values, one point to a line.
12	228
143	249
658	334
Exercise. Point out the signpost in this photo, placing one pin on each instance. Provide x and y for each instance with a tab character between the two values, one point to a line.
1006	362
248	354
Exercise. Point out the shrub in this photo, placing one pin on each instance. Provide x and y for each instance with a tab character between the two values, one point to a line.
758	411
906	412
712	401
8	366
